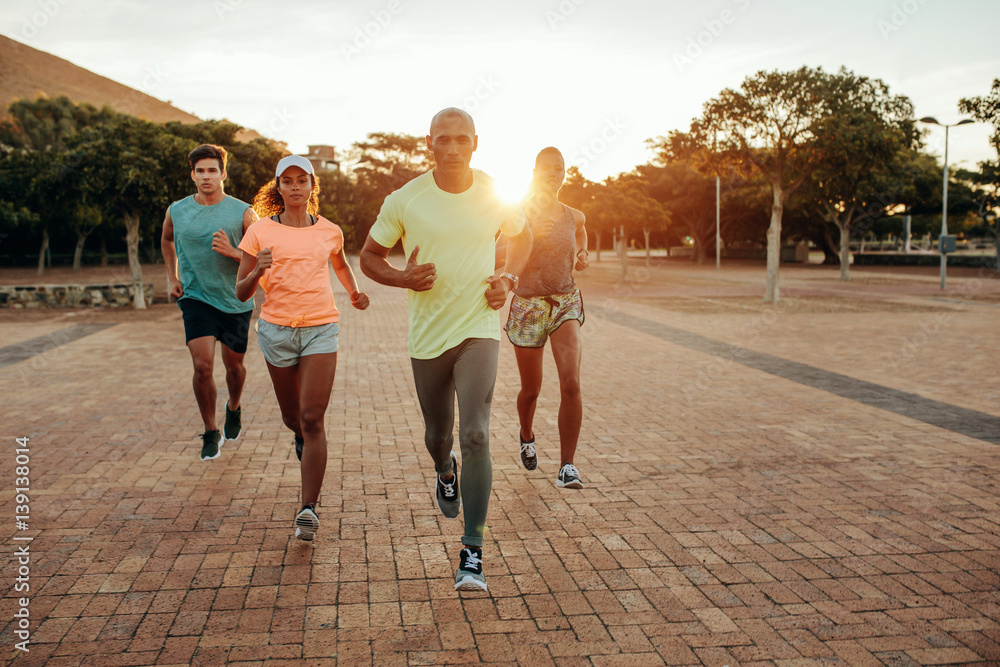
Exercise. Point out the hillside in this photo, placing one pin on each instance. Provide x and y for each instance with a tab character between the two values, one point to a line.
27	73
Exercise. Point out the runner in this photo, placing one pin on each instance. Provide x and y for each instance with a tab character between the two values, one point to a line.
287	254
447	220
547	305
198	242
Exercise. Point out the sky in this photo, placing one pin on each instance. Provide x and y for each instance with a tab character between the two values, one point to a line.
595	78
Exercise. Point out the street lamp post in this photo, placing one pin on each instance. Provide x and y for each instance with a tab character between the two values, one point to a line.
944	202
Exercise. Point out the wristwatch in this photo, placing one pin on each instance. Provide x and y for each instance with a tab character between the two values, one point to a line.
513	279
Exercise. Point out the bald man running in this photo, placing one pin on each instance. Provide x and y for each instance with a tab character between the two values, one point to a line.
448	220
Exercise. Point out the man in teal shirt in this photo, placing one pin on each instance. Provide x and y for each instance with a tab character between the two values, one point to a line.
199	243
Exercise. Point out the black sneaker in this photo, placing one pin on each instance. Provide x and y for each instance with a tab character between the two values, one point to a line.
210	443
529	458
470	570
299	444
306	524
234	424
446	493
569	477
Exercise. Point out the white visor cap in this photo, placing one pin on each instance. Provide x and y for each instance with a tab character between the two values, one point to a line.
293	161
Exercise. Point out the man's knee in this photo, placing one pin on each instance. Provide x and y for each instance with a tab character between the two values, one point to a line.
475	440
436	437
203	368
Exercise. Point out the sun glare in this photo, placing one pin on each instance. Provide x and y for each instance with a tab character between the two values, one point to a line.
511	172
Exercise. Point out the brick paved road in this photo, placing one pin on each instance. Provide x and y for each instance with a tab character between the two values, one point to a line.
733	514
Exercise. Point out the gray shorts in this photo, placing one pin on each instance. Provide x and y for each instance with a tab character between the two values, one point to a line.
282	346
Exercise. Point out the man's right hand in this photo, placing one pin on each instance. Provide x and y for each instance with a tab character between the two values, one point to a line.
176	289
418	277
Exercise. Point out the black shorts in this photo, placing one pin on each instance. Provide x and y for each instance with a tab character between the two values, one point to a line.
201	319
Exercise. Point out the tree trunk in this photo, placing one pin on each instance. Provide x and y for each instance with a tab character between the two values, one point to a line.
132	240
597	246
771	294
78	252
645	233
104	252
41	253
830	248
845	250
699	250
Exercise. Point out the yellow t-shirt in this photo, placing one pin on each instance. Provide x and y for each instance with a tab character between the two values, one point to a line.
297	284
457	233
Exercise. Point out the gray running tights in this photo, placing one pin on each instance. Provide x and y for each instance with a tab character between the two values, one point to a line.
469	372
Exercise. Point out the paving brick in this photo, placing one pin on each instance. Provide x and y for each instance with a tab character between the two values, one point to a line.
765	485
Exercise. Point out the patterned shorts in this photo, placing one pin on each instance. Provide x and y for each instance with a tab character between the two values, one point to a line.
532	320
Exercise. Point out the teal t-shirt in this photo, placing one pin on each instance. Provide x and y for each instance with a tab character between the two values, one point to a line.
205	274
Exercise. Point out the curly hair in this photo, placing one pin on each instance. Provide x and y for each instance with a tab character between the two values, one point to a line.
268	201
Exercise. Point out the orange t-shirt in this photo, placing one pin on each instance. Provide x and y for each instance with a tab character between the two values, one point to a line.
297	284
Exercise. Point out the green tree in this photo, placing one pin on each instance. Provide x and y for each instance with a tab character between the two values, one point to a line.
860	146
768	126
45	123
12	218
86	218
129	168
381	164
986	109
653	216
337	203
622	205
250	164
688	196
37	181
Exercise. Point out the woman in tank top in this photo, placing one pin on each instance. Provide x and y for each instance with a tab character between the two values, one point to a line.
547	306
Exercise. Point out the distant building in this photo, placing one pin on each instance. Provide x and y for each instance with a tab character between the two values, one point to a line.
323	158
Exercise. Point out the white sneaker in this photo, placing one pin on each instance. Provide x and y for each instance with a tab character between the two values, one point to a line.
569	477
306	524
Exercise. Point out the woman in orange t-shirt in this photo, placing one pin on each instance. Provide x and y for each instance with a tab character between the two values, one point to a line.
286	252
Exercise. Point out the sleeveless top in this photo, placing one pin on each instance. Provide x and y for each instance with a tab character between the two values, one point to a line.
206	275
550	266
